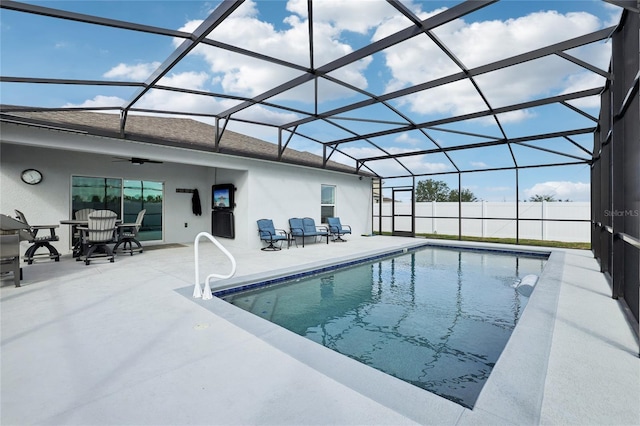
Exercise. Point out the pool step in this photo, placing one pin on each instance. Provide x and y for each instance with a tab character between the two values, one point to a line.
264	305
261	305
245	302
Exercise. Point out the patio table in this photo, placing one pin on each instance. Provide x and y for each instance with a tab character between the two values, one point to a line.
77	242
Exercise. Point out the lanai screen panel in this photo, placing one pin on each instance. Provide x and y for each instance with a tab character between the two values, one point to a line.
369	69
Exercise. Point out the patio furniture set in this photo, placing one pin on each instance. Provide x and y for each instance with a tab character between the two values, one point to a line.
92	233
300	228
94	230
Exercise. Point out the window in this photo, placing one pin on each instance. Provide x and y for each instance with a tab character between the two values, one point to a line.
327	202
125	197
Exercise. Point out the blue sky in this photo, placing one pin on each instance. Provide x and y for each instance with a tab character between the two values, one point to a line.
35	46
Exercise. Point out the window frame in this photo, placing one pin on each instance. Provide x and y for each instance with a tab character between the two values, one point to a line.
324	205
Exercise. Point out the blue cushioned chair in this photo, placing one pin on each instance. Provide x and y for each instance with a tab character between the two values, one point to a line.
270	235
306	227
337	229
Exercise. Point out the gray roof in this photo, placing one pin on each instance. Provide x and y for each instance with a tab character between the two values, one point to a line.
166	131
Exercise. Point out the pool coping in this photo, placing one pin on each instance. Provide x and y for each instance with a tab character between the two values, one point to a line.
513	393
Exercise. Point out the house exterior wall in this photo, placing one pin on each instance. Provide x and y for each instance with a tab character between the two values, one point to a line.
280	193
264	189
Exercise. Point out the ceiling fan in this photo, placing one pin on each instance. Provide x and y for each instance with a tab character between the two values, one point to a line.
138	160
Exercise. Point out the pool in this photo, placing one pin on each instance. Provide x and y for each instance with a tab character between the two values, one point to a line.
437	318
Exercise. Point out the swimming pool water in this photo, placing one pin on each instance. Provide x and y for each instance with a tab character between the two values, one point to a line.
437	318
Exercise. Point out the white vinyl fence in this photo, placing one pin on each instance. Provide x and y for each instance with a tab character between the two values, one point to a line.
493	219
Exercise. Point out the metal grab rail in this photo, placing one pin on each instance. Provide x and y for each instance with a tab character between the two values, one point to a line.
206	293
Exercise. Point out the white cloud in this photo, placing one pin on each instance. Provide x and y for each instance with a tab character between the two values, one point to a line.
262	114
483	42
98	101
406	139
614	13
561	190
412	62
186	80
176	101
355	16
479	164
138	72
389	167
487	41
418	165
245	76
584	81
369	152
516	116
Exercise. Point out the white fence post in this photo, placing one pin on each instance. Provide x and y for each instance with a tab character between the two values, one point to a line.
434	230
543	215
483	215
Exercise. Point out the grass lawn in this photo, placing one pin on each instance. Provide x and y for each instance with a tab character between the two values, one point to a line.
542	243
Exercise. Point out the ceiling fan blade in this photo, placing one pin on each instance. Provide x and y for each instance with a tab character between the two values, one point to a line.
137	160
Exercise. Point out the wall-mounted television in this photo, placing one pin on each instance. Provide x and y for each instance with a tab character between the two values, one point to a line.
222	197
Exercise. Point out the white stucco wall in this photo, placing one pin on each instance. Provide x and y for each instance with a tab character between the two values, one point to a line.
264	189
280	193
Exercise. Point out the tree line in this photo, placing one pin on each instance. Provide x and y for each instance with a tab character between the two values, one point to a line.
437	190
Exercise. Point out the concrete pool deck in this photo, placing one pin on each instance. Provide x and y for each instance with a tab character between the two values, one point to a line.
126	344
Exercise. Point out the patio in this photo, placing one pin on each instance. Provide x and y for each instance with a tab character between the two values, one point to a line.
125	343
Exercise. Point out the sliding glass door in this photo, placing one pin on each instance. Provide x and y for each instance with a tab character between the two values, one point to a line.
125	197
147	195
96	193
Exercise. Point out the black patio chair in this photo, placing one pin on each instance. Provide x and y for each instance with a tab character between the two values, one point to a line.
98	234
128	235
38	241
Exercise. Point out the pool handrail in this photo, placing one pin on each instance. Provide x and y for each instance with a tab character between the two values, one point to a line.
197	290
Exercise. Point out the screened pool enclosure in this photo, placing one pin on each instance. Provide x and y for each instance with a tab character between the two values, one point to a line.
521	98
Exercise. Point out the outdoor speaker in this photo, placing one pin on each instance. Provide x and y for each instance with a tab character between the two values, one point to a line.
222	224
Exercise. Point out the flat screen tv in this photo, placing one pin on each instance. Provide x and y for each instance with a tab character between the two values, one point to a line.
222	197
